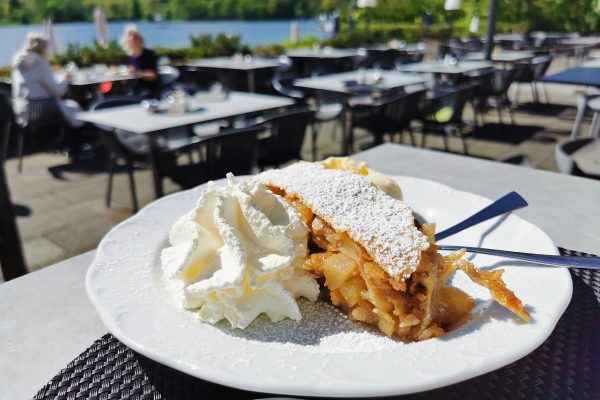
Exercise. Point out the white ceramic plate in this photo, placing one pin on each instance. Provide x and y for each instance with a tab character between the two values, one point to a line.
325	354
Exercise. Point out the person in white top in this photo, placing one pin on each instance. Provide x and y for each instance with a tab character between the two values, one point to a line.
34	80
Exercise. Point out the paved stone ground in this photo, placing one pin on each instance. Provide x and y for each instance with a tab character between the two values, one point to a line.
69	215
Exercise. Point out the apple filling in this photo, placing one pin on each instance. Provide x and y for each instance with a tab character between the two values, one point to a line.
416	308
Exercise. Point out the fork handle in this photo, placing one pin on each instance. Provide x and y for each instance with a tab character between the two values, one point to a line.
546	259
510	202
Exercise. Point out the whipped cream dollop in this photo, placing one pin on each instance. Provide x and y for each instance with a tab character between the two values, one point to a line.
238	254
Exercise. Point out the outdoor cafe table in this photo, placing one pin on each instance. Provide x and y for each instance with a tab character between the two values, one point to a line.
586	74
308	60
248	65
136	119
347	84
87	76
47	319
321	53
441	68
503	57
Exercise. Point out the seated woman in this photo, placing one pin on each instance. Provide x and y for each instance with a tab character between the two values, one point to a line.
37	92
141	61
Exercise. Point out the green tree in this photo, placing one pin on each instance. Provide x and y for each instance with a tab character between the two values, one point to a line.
136	10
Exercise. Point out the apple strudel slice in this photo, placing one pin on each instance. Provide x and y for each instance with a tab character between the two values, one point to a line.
376	264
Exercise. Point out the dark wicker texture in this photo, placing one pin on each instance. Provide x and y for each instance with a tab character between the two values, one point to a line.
566	366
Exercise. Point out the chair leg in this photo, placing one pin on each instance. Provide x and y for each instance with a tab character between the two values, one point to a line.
581	109
132	184
464	142
411	134
424	139
510	114
499	109
445	135
534	93
596	132
595	119
545	93
314	134
111	174
20	145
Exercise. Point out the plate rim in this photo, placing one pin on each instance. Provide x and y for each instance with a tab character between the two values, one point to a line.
272	387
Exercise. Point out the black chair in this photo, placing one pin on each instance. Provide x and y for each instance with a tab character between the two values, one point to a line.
532	73
12	260
124	148
385	59
563	156
283	83
192	79
167	76
442	114
287	131
6	85
234	151
483	82
498	92
387	115
39	114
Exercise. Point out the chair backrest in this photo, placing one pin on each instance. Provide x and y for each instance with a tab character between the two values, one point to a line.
168	75
483	81
110	136
541	65
386	59
43	112
233	151
503	79
449	106
413	100
287	131
461	97
285	85
563	153
6	85
7	117
12	261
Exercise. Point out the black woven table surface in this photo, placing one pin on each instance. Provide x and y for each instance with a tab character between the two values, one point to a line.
566	366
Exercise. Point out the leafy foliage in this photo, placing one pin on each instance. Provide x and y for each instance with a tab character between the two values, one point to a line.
87	55
557	15
201	46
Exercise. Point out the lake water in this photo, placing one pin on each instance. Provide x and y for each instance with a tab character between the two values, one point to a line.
166	34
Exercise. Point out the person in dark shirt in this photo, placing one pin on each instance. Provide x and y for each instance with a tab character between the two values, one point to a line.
141	61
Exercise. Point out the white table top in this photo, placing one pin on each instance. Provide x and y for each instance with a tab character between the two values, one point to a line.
582	41
135	119
336	82
321	53
87	77
595	63
504	56
587	158
47	319
235	63
438	67
409	48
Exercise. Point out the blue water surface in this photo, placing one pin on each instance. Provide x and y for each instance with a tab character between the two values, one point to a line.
166	34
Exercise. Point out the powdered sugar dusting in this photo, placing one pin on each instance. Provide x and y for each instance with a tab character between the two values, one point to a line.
323	329
350	203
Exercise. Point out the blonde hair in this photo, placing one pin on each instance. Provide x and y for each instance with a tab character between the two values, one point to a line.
36	43
130	30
